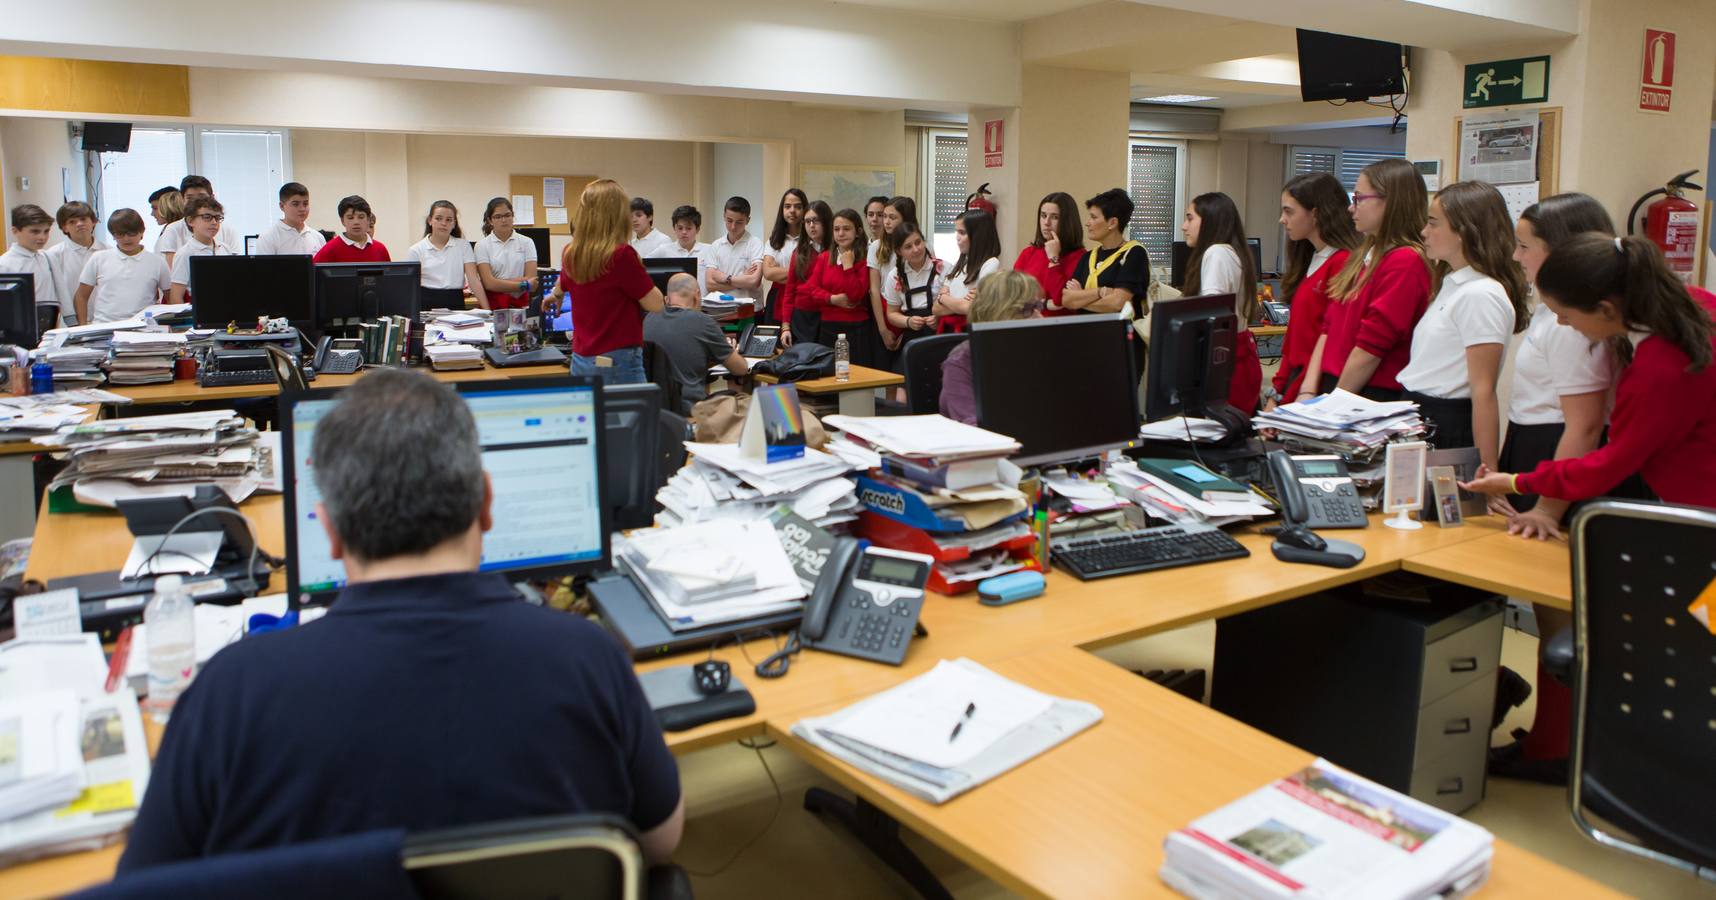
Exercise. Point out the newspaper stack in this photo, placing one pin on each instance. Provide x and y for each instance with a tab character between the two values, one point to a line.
75	365
40	764
445	357
155	456
1344	424
717	304
1164	500
720	483
35	415
108	750
142	357
1326	832
708	573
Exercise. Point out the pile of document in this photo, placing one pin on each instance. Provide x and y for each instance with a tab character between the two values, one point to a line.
1343	423
1184	429
142	357
711	572
475	327
75	365
1169	498
721	483
718	304
154	456
444	357
43	814
32	416
948	730
1326	832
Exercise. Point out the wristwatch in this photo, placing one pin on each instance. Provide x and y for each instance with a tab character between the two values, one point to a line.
1270	393
524	285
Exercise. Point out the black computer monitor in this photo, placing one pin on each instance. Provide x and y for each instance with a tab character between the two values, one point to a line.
661	269
1088	405
18	322
539	237
243	288
348	292
1182	254
1191	356
542	441
638	446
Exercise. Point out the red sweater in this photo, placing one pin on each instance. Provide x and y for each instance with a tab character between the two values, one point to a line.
1310	301
1035	263
826	279
790	289
1663	427
1379	319
338	251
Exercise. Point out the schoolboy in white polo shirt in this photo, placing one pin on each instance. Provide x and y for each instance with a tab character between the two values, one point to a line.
735	262
30	228
205	215
120	282
66	258
646	239
291	235
687	221
176	234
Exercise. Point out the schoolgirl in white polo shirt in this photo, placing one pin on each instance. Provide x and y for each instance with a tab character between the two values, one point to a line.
506	260
449	263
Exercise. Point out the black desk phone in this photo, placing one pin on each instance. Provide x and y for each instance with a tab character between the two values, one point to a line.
1316	491
338	356
866	602
759	341
1276	313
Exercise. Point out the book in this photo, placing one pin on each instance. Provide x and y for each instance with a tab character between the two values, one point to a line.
952	474
1197	480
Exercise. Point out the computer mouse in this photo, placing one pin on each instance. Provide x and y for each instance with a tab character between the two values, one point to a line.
1301	537
711	676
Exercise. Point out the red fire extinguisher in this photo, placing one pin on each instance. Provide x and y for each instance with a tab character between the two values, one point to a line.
1672	223
980	199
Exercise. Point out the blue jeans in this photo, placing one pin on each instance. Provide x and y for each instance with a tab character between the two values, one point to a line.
628	366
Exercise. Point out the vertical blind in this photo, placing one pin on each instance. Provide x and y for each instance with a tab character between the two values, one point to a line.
1153	183
247	168
125	180
949	169
1344	162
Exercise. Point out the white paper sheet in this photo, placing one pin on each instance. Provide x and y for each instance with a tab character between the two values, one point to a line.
186	553
553	192
523	209
555	215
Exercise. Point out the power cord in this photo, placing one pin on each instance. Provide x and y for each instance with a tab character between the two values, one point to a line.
757	748
780	661
147	567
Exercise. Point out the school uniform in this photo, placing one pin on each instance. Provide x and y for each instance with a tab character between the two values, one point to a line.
182	259
803	321
506	260
699	251
19	261
883	358
1307	305
735	259
1034	261
651	243
443	271
67	260
281	239
343	249
1379	319
828	278
772	290
960	289
913	295
1553	361
177	234
1471	309
123	285
1220	272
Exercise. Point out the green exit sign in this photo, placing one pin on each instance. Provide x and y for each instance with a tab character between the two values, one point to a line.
1506	82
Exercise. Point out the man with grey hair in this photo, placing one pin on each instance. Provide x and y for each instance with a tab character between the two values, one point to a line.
692	340
429	696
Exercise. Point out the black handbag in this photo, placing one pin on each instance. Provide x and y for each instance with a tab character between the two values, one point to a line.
799	362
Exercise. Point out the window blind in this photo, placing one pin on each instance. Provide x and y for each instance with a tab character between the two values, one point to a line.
1154	179
125	180
949	170
247	168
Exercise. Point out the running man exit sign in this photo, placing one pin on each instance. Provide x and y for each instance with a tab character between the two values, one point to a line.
1506	82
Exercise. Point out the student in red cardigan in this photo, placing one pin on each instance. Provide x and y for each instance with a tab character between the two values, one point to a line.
839	290
1664	422
1378	297
1320	237
818	217
1056	250
355	243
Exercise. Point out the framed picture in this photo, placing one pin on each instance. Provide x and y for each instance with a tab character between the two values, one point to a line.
847	187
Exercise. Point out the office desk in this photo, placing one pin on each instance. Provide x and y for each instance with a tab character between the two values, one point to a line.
190	391
1539	571
1087	819
857	396
18	488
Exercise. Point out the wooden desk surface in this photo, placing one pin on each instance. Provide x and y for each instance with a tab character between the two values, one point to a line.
1087	819
1539	571
863	378
190	391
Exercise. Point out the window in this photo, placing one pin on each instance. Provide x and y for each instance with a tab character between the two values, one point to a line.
1344	162
246	165
1158	194
948	169
125	180
247	168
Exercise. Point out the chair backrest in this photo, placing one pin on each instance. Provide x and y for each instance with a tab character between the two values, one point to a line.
353	865
288	375
923	371
658	368
1644	729
586	855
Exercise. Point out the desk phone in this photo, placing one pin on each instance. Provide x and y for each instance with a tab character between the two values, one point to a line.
338	356
866	602
1316	491
759	341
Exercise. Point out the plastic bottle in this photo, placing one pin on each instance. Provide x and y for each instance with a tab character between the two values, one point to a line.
172	625
41	378
842	359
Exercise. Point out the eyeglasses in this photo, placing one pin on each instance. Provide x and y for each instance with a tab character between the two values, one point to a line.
212	217
1360	198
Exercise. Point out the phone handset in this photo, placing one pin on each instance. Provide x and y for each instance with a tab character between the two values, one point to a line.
829	582
1295	509
321	353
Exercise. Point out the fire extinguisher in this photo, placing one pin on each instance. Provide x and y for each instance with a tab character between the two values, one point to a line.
980	199
1672	223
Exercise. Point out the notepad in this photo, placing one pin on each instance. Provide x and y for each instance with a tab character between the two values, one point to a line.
918	718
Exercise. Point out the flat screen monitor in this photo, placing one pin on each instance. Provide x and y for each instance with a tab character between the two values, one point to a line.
539	237
660	270
1089	405
1337	67
347	292
108	137
1191	355
18	322
636	444
243	288
1182	254
542	441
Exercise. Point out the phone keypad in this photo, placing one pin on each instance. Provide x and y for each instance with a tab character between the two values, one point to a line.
1335	508
877	631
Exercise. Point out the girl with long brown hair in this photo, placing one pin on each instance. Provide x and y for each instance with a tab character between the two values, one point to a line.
1221	263
813	239
1056	249
1320	237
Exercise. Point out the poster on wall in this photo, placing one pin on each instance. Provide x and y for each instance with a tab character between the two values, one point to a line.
847	187
1499	147
1656	80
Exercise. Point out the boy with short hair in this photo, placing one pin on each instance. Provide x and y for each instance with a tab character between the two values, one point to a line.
646	240
692	341
66	258
205	215
122	281
687	221
355	243
30	228
735	262
177	234
291	235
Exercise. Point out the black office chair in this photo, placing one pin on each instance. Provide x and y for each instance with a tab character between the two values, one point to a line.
365	864
922	363
658	368
1644	682
553	856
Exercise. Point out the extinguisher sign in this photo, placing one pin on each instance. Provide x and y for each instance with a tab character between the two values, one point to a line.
1656	79
992	144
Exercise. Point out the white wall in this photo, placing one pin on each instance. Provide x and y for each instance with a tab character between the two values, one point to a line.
738	173
40	150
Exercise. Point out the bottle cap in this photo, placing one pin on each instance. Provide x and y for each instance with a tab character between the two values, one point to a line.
168	583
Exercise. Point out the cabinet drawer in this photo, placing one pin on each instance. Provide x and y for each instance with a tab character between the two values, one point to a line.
1450	783
1458	725
1459	659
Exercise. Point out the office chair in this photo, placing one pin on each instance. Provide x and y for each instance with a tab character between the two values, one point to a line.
365	864
1644	682
923	371
594	855
658	368
288	375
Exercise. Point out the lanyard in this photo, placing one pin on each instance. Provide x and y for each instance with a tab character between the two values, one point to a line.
1096	269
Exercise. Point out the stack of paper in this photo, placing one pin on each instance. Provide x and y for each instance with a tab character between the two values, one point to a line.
143	357
153	456
711	572
1343	423
716	303
40	763
1183	429
28	417
1326	832
933	437
75	365
474	327
1162	499
443	357
720	483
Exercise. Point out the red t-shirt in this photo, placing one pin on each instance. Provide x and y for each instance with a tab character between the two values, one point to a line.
1663	427
1034	261
338	251
1379	319
605	312
1305	325
826	279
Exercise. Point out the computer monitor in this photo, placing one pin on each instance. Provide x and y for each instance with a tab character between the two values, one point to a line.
243	288
1182	254
1089	405
18	322
542	441
1191	356
538	236
641	450
663	268
350	292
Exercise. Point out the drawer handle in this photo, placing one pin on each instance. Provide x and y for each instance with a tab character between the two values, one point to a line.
1463	664
1458	726
1451	786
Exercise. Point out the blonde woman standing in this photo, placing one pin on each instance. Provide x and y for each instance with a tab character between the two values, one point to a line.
608	287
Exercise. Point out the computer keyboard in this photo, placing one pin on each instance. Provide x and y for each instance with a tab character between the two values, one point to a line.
235	378
1144	550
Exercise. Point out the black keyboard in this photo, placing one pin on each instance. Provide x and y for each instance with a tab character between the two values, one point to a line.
1144	550
234	378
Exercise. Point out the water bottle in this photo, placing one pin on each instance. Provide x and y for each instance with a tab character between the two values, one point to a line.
41	378
842	359
172	645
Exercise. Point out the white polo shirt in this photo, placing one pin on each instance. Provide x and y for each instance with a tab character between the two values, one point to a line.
651	244
1317	259
699	251
958	289
1470	309
444	267
783	256
894	293
30	262
281	239
506	258
735	259
124	285
182	259
178	234
1555	361
67	260
1220	272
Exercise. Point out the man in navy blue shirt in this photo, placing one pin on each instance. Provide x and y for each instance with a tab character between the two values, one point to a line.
429	695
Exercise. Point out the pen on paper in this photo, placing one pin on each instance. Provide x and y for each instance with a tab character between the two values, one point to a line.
970	709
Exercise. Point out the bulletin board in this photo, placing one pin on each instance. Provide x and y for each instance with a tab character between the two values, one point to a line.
531	186
1548	151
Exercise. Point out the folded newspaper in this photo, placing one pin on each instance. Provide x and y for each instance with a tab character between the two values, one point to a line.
1325	832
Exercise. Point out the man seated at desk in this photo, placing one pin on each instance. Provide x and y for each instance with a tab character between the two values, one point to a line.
429	696
691	340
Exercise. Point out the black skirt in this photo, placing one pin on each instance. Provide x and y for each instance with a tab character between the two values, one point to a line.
1453	420
1529	445
860	336
1328	383
806	325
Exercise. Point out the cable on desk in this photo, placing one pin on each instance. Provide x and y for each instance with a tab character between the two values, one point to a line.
145	568
774	815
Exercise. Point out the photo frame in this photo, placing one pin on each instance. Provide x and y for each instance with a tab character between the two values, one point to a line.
848	187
